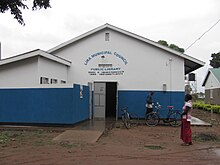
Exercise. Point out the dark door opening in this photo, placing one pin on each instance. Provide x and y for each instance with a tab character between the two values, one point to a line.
111	99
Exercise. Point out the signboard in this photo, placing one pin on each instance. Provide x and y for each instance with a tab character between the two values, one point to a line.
106	63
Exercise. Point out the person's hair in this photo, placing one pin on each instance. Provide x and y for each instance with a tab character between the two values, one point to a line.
188	97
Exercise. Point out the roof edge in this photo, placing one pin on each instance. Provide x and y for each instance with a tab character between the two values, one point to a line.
77	38
182	55
210	71
33	53
206	77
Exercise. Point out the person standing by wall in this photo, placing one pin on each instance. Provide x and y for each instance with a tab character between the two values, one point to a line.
149	104
186	132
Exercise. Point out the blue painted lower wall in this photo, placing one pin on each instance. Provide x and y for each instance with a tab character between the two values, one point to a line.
44	105
64	105
136	101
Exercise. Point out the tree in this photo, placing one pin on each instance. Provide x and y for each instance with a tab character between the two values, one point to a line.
15	7
172	46
215	61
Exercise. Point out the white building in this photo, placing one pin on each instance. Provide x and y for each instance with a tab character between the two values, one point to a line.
119	66
31	68
212	86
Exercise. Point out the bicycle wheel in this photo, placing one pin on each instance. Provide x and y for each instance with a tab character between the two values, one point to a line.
134	119
175	119
126	121
152	119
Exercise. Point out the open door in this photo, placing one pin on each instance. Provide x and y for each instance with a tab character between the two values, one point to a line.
105	100
99	99
111	99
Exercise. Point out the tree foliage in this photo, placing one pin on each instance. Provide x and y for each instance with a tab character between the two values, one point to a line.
215	61
177	48
162	42
15	7
172	46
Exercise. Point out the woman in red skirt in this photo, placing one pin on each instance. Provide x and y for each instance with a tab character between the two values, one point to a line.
186	132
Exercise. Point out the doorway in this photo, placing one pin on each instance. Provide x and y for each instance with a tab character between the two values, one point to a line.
105	100
111	99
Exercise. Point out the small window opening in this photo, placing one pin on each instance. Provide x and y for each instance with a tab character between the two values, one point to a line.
44	80
63	82
211	93
107	36
53	81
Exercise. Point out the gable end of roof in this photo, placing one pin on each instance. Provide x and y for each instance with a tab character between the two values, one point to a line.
35	53
215	72
191	63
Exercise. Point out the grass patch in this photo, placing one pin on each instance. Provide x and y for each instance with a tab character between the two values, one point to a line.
7	136
67	145
202	137
154	147
36	138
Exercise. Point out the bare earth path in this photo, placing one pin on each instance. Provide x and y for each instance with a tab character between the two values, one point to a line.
139	145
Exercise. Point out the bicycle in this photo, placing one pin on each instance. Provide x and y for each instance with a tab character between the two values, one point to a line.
173	116
129	118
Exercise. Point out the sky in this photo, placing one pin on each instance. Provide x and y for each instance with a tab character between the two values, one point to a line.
179	22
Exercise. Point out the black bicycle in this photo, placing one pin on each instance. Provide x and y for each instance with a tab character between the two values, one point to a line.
129	119
173	116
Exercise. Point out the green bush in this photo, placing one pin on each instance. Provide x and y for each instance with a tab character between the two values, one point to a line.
206	107
216	108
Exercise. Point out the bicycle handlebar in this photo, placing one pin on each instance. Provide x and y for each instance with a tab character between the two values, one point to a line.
158	106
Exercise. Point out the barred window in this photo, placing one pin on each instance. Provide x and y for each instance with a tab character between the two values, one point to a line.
53	81
44	80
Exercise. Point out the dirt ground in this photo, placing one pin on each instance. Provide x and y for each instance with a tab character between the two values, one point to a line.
138	145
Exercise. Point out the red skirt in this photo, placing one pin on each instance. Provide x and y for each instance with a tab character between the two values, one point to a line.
186	132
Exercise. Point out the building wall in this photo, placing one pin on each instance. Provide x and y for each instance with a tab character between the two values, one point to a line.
44	105
19	74
215	99
212	90
143	66
137	67
27	73
52	70
136	101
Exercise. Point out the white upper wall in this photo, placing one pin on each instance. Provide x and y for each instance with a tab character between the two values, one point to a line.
139	66
25	70
52	70
19	74
134	62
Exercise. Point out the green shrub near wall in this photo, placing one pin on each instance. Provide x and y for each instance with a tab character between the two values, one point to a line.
206	107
